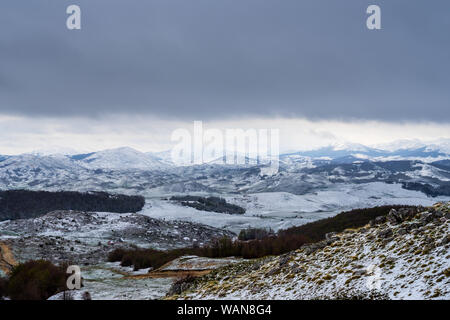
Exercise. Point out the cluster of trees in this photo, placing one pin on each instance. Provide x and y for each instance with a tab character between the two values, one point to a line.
211	204
255	243
19	204
255	234
315	231
220	248
428	189
252	249
293	238
34	280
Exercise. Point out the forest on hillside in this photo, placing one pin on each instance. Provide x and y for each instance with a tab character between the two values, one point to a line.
22	204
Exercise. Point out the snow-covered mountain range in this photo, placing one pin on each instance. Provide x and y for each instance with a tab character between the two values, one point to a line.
416	167
128	158
397	150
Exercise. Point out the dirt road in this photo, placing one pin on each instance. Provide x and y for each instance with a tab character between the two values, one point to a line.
7	260
170	274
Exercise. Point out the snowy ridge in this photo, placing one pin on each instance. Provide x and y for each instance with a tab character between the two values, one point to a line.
122	158
442	145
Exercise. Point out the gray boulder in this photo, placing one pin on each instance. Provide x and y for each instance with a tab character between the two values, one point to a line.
385	233
393	217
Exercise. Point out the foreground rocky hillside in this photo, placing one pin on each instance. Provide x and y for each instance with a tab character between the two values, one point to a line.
87	237
404	255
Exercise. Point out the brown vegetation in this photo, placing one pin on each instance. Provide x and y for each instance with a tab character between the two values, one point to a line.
34	280
270	244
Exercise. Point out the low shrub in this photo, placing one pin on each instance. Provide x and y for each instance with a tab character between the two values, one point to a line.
36	280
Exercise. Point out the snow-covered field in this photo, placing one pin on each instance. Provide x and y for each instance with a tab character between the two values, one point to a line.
106	282
281	210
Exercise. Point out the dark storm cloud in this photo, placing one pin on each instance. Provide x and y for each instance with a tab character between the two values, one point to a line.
203	59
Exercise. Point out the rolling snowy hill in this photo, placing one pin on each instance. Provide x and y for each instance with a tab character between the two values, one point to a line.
120	159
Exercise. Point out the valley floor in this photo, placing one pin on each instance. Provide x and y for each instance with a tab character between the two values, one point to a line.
282	210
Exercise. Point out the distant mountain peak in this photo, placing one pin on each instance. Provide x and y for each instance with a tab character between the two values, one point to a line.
55	150
121	158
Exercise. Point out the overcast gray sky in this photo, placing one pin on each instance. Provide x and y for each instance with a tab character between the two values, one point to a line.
219	60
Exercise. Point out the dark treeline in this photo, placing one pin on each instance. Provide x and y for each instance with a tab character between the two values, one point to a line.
259	246
428	189
220	248
315	231
19	204
146	258
255	234
211	204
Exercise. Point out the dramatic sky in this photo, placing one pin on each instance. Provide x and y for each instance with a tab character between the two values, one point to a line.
139	69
